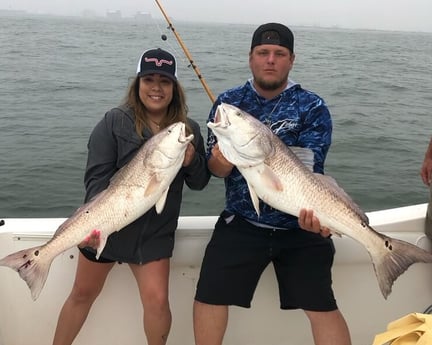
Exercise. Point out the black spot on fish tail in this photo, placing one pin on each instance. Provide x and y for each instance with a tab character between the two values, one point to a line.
32	267
25	265
388	245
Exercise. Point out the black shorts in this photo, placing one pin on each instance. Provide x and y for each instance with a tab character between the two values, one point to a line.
239	251
153	247
89	255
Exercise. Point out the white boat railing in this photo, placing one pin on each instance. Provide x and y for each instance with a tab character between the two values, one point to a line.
116	315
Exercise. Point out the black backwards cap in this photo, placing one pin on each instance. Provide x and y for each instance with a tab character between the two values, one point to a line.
273	33
157	61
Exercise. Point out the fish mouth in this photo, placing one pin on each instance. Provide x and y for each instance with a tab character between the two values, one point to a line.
182	137
221	118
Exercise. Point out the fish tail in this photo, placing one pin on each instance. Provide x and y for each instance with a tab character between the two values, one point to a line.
399	255
32	267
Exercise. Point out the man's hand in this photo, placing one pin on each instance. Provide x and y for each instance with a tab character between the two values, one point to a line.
309	222
218	164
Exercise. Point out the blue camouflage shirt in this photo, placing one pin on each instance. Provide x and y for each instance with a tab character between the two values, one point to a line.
299	118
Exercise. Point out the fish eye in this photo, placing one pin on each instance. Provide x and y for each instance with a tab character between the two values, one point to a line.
238	113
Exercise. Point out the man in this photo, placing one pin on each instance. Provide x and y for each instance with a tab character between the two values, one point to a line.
426	175
242	245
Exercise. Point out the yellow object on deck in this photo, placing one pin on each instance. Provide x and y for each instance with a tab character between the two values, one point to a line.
412	329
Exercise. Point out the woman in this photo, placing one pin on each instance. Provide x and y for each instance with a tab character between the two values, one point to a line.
154	100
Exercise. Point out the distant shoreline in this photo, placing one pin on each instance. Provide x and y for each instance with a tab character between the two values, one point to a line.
147	18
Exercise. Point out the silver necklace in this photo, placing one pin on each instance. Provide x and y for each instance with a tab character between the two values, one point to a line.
267	120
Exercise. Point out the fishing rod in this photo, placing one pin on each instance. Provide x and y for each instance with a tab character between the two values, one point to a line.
186	51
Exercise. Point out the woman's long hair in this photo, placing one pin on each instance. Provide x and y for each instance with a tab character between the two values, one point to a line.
177	109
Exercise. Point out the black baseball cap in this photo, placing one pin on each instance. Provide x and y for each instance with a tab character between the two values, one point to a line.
273	33
157	61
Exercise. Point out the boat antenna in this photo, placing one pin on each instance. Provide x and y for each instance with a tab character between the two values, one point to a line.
186	51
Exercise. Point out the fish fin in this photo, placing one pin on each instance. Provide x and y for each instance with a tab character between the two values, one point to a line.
392	257
306	155
255	199
333	185
152	185
160	204
102	243
32	267
270	179
335	233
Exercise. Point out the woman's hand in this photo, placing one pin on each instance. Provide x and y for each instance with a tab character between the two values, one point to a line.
92	240
189	155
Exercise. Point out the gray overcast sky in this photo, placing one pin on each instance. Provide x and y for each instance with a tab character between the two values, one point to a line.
406	15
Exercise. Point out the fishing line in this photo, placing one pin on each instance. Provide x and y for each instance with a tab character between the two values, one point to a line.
186	51
172	48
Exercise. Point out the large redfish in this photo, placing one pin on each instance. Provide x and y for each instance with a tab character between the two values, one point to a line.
277	176
133	190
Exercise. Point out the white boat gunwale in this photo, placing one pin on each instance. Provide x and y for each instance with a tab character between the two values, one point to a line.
356	289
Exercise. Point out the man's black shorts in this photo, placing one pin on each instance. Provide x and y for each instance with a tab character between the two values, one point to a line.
239	251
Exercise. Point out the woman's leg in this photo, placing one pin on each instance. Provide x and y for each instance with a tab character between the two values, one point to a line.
89	281
152	279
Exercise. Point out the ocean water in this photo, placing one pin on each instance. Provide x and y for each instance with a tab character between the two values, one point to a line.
58	76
